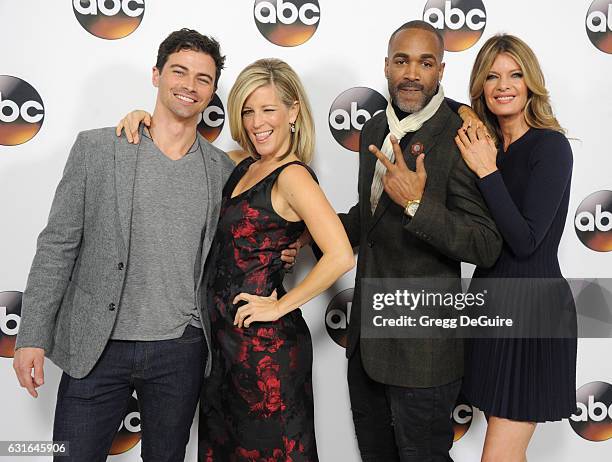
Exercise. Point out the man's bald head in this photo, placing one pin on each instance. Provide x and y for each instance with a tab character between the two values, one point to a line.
420	25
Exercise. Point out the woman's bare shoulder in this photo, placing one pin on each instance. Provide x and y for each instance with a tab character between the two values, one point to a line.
237	155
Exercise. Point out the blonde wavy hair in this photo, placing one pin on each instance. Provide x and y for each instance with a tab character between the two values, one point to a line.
538	111
290	89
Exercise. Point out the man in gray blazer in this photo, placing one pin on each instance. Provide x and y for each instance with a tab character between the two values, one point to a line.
419	215
115	292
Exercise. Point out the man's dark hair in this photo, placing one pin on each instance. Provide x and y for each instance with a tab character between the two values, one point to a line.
422	25
189	39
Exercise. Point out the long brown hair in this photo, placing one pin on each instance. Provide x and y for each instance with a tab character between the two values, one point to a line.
538	111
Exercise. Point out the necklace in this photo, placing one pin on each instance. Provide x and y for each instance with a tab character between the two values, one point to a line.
195	145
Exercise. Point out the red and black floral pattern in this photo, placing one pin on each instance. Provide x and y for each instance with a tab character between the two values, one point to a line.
258	405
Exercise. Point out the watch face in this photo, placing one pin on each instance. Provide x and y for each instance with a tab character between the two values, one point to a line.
412	208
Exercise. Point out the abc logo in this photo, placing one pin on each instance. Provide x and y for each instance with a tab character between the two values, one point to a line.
21	111
337	316
593	417
129	433
462	417
599	25
109	19
287	23
593	221
10	318
212	119
461	22
350	111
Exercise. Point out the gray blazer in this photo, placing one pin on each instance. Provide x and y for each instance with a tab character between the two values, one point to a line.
77	277
451	225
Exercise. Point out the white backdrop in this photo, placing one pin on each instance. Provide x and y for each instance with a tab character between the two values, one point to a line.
86	81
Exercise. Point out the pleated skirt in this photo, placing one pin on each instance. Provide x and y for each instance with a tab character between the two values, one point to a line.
532	380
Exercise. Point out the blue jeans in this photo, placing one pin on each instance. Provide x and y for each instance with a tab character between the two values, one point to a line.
167	376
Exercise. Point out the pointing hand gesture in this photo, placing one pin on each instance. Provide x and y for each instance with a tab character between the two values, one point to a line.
401	183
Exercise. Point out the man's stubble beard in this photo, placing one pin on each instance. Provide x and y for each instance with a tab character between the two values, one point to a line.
410	108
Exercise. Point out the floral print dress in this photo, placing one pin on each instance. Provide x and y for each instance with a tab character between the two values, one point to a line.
258	404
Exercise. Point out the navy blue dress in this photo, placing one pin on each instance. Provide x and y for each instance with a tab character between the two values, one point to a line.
527	379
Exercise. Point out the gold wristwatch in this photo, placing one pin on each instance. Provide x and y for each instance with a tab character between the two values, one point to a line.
411	207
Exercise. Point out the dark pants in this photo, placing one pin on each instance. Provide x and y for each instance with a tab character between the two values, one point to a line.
167	376
400	423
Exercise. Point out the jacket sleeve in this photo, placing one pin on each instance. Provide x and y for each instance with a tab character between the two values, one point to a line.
352	219
56	252
461	228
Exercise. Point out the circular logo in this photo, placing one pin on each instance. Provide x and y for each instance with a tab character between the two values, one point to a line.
109	19
462	417
593	221
287	23
350	111
10	318
337	316
593	417
599	25
129	433
212	119
461	22
21	111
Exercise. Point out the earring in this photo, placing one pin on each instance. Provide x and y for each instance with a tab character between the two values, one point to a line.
292	127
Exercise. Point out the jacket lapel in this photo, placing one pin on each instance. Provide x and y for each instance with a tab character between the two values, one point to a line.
126	156
427	135
378	137
214	184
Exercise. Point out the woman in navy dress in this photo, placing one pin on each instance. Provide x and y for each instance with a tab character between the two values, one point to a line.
261	406
524	163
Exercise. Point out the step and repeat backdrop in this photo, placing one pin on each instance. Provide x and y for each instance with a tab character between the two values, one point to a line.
72	65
